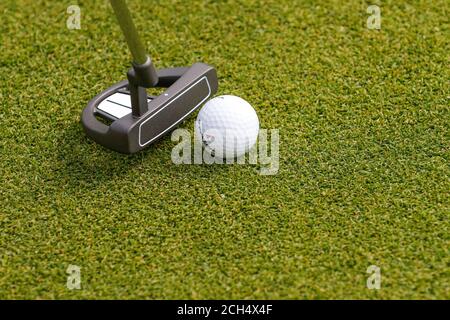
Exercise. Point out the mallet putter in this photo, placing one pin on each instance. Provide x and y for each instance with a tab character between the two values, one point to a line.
138	120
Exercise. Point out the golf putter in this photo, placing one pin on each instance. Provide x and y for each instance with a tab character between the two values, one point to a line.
137	119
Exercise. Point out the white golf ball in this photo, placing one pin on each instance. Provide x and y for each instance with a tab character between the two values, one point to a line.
228	126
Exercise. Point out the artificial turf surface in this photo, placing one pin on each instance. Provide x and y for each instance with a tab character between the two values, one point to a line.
364	156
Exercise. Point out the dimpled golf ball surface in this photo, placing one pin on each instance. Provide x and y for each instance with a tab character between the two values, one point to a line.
228	126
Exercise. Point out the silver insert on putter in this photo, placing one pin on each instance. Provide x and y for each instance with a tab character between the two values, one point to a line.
116	106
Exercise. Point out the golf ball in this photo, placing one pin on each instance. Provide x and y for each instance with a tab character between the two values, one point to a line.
228	126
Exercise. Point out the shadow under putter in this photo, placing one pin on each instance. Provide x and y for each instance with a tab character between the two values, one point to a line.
137	119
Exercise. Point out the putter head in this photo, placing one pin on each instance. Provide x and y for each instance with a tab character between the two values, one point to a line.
187	89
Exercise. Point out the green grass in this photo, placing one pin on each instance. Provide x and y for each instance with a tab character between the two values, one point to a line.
364	175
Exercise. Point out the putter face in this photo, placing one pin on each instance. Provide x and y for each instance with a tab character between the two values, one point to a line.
188	89
177	107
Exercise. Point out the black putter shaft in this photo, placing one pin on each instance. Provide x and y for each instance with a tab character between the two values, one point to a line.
130	32
143	75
